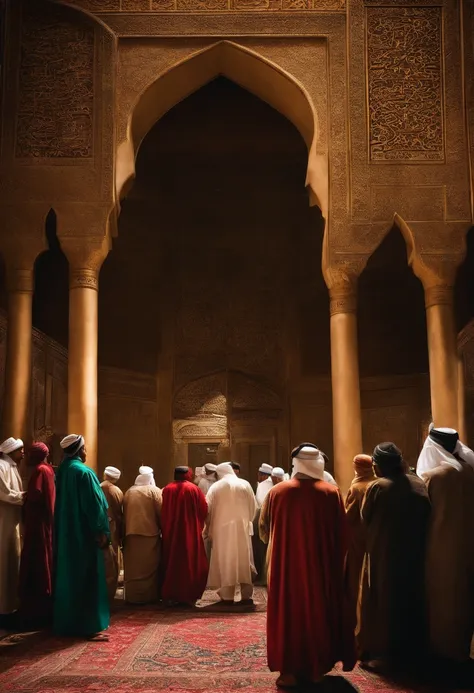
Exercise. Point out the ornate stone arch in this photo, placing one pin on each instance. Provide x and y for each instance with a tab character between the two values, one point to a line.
249	70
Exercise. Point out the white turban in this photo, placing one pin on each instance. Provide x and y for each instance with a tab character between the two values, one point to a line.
145	477
10	445
278	472
210	468
224	469
433	454
72	444
309	462
266	469
113	473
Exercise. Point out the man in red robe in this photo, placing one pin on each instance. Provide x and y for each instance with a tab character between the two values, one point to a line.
36	566
309	623
183	515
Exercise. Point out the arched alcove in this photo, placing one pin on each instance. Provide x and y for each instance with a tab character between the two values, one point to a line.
250	71
209	271
393	351
51	295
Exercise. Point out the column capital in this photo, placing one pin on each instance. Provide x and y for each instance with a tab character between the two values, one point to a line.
439	294
20	280
343	298
85	256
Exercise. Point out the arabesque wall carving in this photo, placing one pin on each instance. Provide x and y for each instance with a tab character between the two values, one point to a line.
106	6
53	119
405	83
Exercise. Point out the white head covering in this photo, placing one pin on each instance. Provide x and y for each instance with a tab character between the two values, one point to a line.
287	477
113	473
278	472
433	454
145	477
10	445
309	462
224	469
266	469
210	468
72	443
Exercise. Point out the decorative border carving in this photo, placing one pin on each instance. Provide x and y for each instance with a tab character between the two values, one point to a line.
20	280
405	84
103	7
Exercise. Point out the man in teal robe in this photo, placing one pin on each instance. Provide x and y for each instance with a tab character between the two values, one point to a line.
81	605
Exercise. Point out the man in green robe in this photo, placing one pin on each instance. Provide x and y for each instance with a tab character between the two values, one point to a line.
81	605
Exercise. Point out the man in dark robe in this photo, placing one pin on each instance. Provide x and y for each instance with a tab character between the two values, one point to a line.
183	515
81	605
36	567
396	513
447	467
364	475
309	625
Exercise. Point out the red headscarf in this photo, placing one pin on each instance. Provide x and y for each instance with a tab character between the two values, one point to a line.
38	453
363	468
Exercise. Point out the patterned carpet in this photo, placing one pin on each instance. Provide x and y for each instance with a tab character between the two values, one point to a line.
152	651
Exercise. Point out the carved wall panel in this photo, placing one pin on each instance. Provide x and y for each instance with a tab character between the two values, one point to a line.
55	116
405	85
136	6
202	397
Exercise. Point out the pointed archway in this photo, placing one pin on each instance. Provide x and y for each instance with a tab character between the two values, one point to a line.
250	71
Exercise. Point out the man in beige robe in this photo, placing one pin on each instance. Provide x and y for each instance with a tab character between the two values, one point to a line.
142	544
11	500
447	467
114	498
364	475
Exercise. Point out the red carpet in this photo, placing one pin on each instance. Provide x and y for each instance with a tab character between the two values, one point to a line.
152	651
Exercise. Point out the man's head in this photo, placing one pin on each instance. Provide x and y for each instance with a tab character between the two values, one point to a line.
264	472
210	471
224	469
112	474
446	437
387	459
182	473
14	448
236	467
308	459
74	446
37	454
278	475
145	477
363	467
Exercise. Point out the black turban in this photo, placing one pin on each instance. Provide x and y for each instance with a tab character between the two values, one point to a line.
387	455
446	437
183	474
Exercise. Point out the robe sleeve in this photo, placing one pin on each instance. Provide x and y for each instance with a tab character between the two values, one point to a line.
253	504
207	528
8	494
265	519
93	503
368	503
158	498
353	507
202	506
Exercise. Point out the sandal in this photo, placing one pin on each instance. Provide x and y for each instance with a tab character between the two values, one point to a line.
286	681
98	637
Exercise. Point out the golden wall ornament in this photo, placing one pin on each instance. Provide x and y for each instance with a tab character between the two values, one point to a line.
138	6
55	116
405	84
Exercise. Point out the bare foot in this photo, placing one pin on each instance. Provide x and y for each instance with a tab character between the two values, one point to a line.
286	681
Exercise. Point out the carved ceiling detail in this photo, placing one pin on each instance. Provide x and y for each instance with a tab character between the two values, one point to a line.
405	84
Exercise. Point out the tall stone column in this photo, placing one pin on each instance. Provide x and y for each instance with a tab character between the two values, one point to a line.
443	355
20	284
347	420
84	268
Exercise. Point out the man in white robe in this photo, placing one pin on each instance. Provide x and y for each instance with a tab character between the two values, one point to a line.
208	477
229	526
447	467
265	483
11	500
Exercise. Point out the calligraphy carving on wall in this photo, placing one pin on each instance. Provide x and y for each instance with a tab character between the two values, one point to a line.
137	6
56	85
405	84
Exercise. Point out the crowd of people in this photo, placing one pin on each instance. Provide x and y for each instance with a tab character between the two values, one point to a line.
386	574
